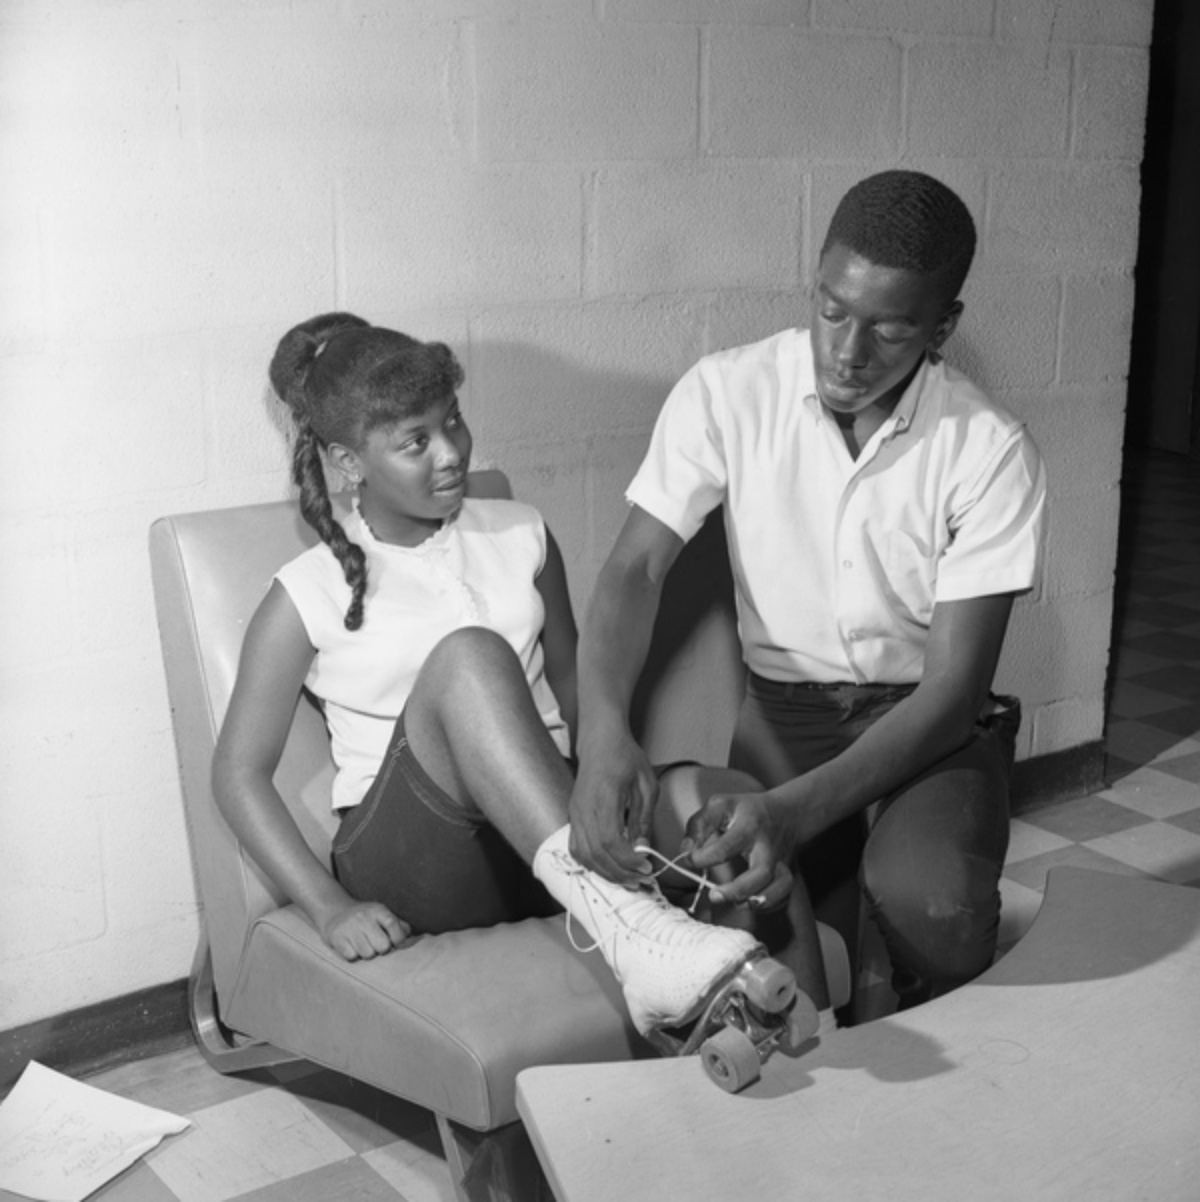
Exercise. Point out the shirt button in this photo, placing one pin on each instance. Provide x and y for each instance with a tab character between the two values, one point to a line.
855	635
847	564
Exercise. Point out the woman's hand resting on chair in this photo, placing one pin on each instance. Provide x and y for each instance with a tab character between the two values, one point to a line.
364	930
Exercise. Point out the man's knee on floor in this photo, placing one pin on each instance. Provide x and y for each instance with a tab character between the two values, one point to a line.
956	907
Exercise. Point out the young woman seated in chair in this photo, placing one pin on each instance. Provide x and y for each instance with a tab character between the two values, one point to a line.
435	631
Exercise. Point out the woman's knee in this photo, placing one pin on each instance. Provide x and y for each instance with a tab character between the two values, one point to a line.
464	652
471	642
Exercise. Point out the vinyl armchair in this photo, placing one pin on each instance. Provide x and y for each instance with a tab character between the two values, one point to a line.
447	1022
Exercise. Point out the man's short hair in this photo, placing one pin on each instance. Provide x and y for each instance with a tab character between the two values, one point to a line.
908	220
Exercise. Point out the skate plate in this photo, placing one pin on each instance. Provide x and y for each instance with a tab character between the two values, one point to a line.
751	1012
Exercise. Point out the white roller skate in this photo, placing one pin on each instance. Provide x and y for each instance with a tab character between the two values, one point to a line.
689	986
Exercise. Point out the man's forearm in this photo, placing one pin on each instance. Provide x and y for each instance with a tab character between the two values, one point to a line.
928	725
917	733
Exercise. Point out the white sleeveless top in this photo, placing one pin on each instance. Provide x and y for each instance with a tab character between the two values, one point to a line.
479	569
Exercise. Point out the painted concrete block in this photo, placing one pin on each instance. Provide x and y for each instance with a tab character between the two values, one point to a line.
1080	550
246	428
37	592
46	911
1115	22
1079	432
1062	216
790	93
585	92
1058	650
326	91
553	374
65	979
1008	334
1110	102
65	764
729	12
940	18
151	829
117	749
90	93
431	325
148	435
422	239
612	464
743	317
552	477
1011	100
380	17
719	225
112	605
1097	328
543	10
135	261
1061	725
22	306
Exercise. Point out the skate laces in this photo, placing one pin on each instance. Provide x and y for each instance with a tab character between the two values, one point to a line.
657	923
700	879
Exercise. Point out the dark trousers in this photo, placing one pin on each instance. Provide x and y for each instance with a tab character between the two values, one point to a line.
927	857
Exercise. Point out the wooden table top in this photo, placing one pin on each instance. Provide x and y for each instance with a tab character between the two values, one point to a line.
1070	1070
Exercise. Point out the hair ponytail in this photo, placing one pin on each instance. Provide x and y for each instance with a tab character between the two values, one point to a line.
299	349
308	472
297	352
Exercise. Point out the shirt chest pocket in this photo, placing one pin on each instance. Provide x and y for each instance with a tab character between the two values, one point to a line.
910	568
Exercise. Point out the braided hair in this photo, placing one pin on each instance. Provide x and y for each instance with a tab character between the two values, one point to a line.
343	378
907	220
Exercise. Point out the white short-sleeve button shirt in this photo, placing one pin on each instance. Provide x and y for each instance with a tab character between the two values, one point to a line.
838	562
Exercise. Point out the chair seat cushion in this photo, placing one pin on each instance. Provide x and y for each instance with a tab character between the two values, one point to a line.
447	1022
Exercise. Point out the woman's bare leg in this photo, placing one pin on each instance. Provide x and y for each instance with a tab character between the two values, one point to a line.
473	726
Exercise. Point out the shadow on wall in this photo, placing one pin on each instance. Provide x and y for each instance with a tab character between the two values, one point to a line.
694	673
571	436
972	358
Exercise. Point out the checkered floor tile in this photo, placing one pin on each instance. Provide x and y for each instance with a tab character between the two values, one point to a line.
1147	822
300	1134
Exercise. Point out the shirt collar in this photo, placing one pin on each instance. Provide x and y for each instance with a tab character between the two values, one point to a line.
360	532
901	418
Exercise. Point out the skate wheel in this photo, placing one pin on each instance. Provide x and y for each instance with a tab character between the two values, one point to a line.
731	1059
802	1024
770	986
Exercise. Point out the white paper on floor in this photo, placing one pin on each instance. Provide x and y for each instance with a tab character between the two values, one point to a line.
61	1140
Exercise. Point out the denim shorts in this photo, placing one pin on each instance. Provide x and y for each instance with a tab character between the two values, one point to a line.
434	862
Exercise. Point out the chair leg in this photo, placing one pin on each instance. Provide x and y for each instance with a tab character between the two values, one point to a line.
839	972
223	1049
873	996
493	1166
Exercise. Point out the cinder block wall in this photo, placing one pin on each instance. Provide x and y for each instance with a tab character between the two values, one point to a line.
581	196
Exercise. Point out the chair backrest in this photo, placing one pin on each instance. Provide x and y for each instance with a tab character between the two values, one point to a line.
210	571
